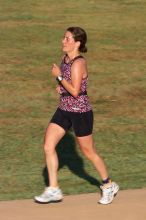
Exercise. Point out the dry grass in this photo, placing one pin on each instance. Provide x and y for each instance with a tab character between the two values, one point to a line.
31	32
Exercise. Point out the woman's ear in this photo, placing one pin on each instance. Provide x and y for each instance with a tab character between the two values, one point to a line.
78	43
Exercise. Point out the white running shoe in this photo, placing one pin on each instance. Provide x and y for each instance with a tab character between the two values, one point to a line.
50	194
108	193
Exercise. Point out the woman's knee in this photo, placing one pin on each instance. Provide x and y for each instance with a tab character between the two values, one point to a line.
88	152
49	149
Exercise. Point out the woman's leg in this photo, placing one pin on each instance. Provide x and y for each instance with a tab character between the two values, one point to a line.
52	193
87	147
109	189
53	135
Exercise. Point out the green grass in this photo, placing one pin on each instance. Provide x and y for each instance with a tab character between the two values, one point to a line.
30	36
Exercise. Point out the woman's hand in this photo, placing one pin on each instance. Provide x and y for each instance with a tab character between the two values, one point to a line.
55	70
58	90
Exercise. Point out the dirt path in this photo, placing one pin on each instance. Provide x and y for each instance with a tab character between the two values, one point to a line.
128	205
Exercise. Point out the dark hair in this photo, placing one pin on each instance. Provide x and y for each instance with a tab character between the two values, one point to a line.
79	35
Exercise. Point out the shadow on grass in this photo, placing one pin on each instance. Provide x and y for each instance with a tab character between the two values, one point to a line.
68	156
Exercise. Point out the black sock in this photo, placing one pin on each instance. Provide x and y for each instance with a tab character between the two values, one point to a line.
107	180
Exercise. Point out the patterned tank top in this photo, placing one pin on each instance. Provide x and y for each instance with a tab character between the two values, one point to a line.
68	102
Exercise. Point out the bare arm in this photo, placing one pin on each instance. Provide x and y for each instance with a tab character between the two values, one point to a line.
78	71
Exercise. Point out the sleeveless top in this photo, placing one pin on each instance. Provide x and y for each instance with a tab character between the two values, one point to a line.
68	102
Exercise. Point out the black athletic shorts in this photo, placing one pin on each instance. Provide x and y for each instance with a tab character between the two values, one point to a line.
82	123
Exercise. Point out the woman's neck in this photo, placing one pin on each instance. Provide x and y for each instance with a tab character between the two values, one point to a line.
72	55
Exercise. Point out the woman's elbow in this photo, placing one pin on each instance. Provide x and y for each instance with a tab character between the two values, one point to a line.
75	94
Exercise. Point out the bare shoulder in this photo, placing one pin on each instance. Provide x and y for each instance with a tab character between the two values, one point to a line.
80	66
80	62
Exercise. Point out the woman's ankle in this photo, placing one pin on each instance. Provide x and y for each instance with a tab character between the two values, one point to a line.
106	182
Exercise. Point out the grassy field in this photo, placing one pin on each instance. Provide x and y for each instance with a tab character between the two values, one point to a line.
30	36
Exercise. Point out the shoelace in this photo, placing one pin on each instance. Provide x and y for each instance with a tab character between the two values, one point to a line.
106	193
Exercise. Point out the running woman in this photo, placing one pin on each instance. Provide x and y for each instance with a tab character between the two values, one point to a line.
74	111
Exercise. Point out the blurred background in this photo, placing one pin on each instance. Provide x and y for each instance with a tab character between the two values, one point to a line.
30	41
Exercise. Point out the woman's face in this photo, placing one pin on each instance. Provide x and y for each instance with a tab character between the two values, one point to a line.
68	42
